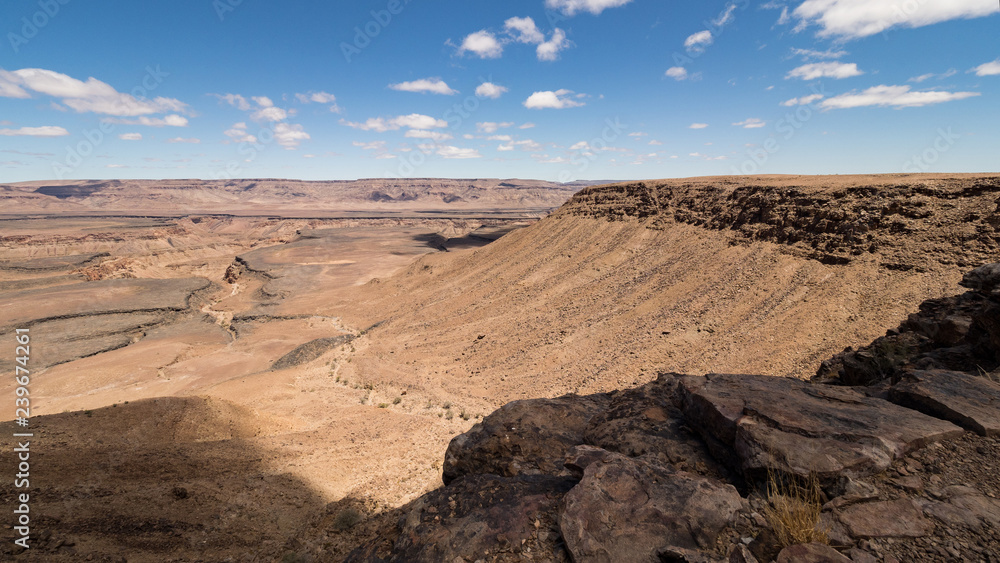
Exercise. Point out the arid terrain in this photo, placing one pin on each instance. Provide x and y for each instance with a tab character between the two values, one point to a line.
252	371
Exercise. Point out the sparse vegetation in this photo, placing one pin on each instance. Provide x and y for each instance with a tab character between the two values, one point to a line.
347	519
383	405
793	510
465	415
397	400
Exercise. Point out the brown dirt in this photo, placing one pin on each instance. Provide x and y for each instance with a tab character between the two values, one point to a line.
767	275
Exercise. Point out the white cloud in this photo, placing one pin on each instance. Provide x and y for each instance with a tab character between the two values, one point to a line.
44	131
492	126
456	152
752	123
432	135
852	19
235	100
263	101
90	96
549	50
726	17
115	166
269	113
482	43
319	98
813	71
698	126
677	73
988	69
528	125
528	145
802	101
289	135
893	96
130	136
372	146
552	100
238	134
191	141
813	54
412	121
698	41
166	121
929	75
656	143
490	90
572	7
504	138
425	85
524	30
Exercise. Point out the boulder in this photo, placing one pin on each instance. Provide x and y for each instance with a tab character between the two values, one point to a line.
523	438
629	510
802	429
478	517
984	279
891	519
971	402
644	421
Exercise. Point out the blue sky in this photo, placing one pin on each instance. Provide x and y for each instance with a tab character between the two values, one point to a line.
550	89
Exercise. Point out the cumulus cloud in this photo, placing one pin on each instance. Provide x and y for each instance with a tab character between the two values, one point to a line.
91	95
489	127
988	69
573	7
813	54
130	136
893	96
549	50
269	113
698	41
166	121
524	30
677	73
853	19
560	99
289	135
424	134
235	100
698	126
813	71
412	121
425	85
191	141
319	98
44	131
457	153
752	123
490	90
483	43
804	100
238	133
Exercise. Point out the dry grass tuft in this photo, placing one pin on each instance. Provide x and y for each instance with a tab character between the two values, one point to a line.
793	510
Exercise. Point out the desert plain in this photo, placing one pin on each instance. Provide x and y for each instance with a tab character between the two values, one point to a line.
258	370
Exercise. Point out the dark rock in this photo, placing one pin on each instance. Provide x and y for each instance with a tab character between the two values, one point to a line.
629	510
477	517
523	438
984	279
964	506
969	401
811	553
804	429
310	351
644	421
861	556
890	519
741	554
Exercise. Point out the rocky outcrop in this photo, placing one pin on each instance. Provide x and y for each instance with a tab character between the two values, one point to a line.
905	222
960	333
687	469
